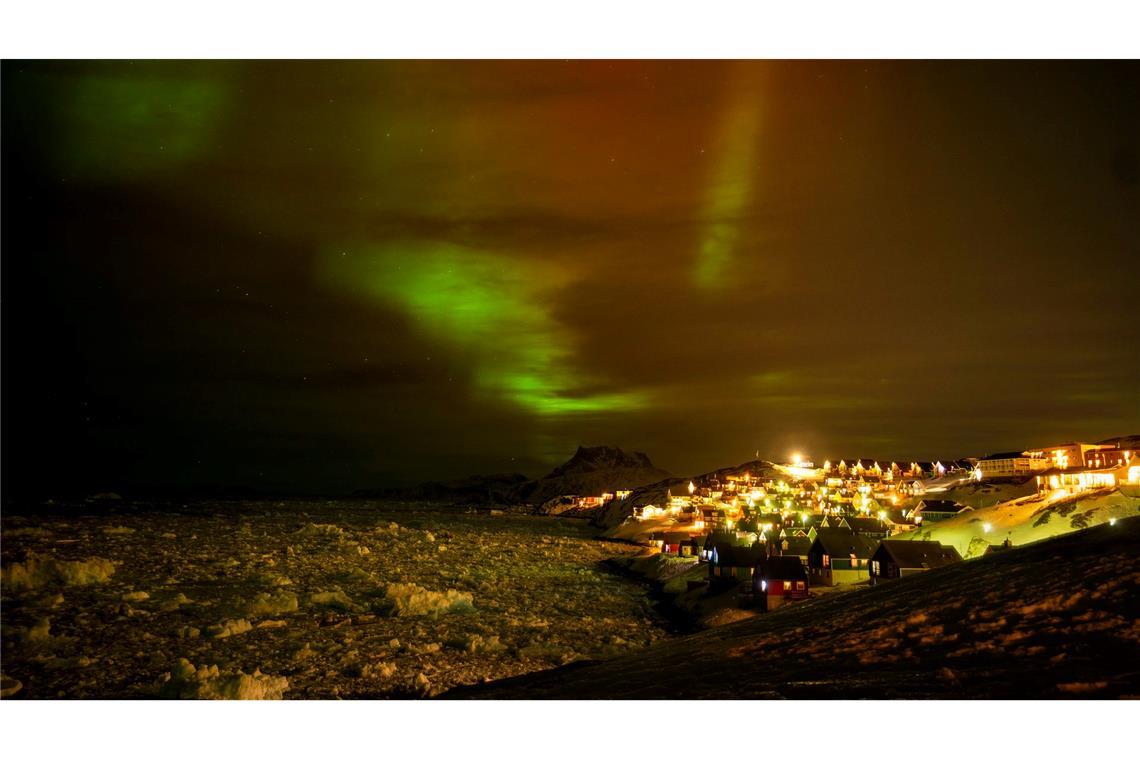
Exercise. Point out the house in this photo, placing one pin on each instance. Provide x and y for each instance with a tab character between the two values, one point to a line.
898	559
1004	546
713	541
778	580
899	522
733	564
912	488
670	542
840	556
936	510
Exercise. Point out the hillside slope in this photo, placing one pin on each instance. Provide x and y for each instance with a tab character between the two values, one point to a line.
1028	519
1056	619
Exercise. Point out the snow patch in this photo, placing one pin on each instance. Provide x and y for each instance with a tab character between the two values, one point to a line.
207	682
334	599
228	628
37	572
272	604
408	599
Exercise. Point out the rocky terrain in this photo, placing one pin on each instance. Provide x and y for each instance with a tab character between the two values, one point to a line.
302	599
1055	619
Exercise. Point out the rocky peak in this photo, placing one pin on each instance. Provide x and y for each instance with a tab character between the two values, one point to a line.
593	458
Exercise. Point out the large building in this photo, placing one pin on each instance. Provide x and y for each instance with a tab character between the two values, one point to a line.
1079	479
1011	464
1065	455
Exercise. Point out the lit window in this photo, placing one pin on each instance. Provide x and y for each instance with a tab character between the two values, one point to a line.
799	585
787	585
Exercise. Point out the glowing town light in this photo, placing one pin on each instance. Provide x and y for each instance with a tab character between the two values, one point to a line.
692	488
986	527
1112	521
796	459
978	474
882	515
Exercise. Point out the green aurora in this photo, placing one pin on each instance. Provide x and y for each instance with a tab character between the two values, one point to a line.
493	310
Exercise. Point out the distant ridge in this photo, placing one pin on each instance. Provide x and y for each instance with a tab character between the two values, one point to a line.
591	471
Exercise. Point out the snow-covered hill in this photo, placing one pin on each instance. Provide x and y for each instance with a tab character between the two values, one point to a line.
1055	619
1027	519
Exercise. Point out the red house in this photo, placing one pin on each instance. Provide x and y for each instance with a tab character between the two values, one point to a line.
778	580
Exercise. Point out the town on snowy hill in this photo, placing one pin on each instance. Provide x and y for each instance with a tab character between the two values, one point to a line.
731	534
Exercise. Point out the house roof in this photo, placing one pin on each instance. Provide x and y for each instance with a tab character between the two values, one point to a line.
738	556
839	542
797	545
919	554
1004	455
718	539
778	568
940	505
866	524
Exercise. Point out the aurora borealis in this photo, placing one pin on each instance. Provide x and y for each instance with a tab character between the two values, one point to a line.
322	276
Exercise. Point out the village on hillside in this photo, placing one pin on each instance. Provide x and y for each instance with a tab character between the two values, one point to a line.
774	532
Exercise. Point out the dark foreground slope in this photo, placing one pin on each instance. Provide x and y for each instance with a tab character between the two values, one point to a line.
1054	619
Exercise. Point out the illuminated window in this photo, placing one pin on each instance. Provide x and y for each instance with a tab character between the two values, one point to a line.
799	585
787	585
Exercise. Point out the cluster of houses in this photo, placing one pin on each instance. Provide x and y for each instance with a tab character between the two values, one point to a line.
589	502
838	523
829	552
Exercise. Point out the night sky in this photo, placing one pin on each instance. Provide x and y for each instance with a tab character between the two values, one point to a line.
317	277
